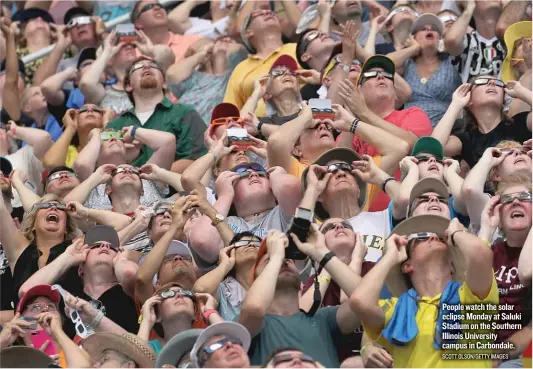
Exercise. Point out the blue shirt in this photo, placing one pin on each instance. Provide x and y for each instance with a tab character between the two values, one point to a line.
52	126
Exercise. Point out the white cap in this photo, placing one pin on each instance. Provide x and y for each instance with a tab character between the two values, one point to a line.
175	248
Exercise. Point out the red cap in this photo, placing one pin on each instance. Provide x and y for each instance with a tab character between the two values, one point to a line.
225	110
285	61
262	252
44	290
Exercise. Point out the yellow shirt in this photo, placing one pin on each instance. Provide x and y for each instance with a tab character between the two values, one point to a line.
372	190
420	353
241	82
72	154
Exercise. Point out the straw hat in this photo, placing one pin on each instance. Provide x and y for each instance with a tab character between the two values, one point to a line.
128	344
24	357
396	280
513	33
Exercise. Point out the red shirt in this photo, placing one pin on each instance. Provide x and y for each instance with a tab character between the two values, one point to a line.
512	292
411	119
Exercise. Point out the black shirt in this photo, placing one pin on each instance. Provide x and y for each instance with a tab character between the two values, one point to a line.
309	92
475	143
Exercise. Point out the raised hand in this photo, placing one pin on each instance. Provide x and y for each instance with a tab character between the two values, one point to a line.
77	251
313	174
148	310
150	172
455	225
461	96
19	175
225	182
199	202
61	33
408	163
395	248
309	76
353	98
360	249
13	329
515	89
70	119
206	301
51	323
144	44
315	246
226	256
261	85
105	172
276	242
490	216
493	156
451	166
76	210
110	44
367	170
259	147
349	42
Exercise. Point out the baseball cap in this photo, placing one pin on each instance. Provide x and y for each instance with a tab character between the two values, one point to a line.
88	53
230	329
5	166
377	61
513	33
426	19
73	12
428	145
225	110
100	233
427	185
285	61
25	15
44	290
176	248
339	155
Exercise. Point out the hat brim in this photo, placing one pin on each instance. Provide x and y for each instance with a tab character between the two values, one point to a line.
513	33
32	13
425	19
396	280
44	290
338	154
140	353
24	357
5	166
377	61
99	233
427	185
177	347
230	329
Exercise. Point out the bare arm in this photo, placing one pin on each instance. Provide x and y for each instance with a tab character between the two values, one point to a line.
178	18
125	271
520	105
209	282
287	190
399	57
399	208
514	11
403	91
82	191
27	196
90	86
39	140
525	261
51	87
182	69
11	94
307	298
455	183
49	66
454	37
57	154
293	15
110	218
13	242
85	162
162	143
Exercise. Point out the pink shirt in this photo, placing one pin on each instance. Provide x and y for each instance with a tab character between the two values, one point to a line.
180	43
411	119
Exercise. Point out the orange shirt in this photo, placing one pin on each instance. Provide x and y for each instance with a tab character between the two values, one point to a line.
180	43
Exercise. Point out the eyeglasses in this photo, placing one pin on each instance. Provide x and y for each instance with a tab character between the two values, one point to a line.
169	258
147	8
210	349
48	205
414	238
485	81
332	168
85	109
278	72
375	73
422	159
514	150
428	27
227	120
171	293
108	135
424	198
524	196
310	37
285	358
328	227
141	65
41	306
244	170
244	243
125	169
103	243
58	175
162	211
79	21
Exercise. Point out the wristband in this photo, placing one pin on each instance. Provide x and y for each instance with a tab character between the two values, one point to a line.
133	130
13	130
362	350
326	259
323	278
453	236
353	127
486	242
384	184
208	313
97	319
259	126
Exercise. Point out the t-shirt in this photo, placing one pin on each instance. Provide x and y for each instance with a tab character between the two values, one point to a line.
207	28
512	291
316	336
420	352
274	219
480	56
474	143
230	294
374	227
143	117
412	119
116	100
179	44
67	63
25	159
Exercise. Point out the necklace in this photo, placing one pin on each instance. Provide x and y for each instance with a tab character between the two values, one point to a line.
423	80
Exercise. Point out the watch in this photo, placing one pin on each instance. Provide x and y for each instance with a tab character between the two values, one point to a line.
218	218
304	213
345	67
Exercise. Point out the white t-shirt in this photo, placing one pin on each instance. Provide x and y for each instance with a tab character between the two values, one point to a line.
207	28
375	228
25	159
143	117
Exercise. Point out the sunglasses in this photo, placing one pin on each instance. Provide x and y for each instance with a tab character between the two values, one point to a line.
285	358
255	14
81	330
125	169
146	8
58	175
78	21
141	65
338	59
244	170
171	293
102	243
108	135
422	159
344	224
419	237
162	211
375	73
424	198
524	196
485	81
220	343
48	205
227	120
310	37
515	150
278	72
169	258
93	109
245	243
332	168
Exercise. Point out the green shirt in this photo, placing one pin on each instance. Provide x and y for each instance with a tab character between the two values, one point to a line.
179	119
315	336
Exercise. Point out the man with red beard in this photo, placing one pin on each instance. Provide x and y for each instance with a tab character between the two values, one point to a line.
145	85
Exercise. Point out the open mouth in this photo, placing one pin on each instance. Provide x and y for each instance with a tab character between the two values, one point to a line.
340	182
519	160
430	36
433	167
351	4
434	208
382	84
253	181
340	233
324	134
165	222
147	72
286	79
492	91
52	218
517	214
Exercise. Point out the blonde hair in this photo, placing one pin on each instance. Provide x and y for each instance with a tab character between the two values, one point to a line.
28	224
518	179
505	144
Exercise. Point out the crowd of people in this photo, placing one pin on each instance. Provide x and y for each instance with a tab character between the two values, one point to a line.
296	183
